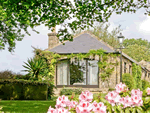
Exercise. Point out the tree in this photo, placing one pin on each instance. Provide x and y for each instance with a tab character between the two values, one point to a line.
76	72
138	52
18	15
140	42
102	32
34	67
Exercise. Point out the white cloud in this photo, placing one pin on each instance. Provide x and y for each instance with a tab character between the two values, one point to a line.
144	27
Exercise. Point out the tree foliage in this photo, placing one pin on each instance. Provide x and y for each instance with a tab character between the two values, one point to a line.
138	49
18	15
76	73
138	52
139	42
103	33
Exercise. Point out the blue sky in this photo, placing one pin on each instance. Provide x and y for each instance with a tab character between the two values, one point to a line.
133	25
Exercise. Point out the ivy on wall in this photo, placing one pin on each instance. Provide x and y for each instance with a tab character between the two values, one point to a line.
105	65
50	60
136	73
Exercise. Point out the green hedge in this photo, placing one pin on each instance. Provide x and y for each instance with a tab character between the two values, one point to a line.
23	90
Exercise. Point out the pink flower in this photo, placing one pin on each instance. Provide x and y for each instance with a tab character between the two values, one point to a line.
136	92
113	97
62	110
148	91
120	87
61	101
86	96
127	102
137	100
72	104
98	107
84	107
51	110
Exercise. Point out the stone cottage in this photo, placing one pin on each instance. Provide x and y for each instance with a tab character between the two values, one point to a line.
89	78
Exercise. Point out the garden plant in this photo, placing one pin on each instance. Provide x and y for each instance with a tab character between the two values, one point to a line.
121	100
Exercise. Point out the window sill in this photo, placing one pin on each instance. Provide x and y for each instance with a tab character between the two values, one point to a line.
83	86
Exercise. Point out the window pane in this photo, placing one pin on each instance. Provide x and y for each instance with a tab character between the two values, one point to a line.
62	73
92	72
78	72
124	67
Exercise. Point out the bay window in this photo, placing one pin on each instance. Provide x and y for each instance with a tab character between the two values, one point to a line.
81	73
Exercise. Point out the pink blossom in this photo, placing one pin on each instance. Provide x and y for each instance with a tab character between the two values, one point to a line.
136	92
62	110
127	102
51	110
61	101
98	107
113	97
120	87
86	96
72	104
84	107
148	91
137	100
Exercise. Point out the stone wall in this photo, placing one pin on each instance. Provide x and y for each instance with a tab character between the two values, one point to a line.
114	78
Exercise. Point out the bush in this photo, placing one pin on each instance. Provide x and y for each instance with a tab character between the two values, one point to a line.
67	91
22	89
145	84
111	89
35	92
50	90
6	74
129	81
118	101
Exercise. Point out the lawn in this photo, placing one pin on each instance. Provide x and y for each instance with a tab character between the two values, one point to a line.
25	106
31	106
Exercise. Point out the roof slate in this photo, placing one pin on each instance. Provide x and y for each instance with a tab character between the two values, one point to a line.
81	44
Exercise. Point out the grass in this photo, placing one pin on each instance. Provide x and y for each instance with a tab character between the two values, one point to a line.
31	106
25	106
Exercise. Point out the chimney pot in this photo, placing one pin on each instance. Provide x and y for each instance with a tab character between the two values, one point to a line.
53	39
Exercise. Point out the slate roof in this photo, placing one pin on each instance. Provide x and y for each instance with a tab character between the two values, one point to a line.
85	42
81	44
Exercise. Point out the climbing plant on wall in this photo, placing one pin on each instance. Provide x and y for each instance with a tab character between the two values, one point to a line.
49	59
105	65
137	72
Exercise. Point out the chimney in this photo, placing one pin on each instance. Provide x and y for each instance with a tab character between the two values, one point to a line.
52	39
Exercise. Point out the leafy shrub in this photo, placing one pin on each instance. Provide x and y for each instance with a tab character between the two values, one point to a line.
67	91
6	74
145	84
118	101
50	90
35	92
23	89
25	77
111	89
129	81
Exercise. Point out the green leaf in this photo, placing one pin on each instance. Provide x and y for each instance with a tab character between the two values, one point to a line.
127	110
